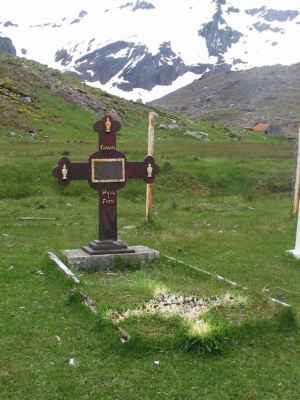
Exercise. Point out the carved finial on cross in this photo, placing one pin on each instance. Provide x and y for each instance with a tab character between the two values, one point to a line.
64	172
107	129
108	125
149	171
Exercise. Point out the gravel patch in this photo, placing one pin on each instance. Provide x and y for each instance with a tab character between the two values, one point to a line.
189	308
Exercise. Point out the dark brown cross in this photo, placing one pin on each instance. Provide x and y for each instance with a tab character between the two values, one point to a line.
107	171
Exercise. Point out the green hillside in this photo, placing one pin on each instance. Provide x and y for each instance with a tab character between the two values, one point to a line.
221	208
41	102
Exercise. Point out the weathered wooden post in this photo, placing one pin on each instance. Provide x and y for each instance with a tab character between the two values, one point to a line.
297	179
295	205
151	132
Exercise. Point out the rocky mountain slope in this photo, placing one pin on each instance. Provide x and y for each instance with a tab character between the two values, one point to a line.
42	104
146	49
241	99
35	99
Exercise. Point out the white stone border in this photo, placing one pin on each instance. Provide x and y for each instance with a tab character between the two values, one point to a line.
222	279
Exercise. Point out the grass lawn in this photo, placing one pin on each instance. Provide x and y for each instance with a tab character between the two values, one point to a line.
221	207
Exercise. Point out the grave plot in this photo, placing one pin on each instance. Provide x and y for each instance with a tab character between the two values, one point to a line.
167	305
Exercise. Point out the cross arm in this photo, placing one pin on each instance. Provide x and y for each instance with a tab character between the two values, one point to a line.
135	170
146	169
66	171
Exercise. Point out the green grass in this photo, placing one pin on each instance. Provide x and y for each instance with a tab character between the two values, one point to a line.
220	213
221	206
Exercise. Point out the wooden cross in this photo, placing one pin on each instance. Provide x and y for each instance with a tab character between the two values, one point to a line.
106	171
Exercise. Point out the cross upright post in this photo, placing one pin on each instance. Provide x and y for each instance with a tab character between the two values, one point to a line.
107	171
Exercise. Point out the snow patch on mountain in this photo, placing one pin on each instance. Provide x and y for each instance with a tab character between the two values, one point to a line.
143	95
275	45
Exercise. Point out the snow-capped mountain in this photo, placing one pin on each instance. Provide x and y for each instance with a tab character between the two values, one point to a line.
145	49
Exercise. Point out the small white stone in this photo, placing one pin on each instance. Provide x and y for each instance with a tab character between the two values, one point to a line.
157	363
129	227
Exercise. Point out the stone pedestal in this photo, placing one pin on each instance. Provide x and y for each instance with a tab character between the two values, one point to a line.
295	253
82	261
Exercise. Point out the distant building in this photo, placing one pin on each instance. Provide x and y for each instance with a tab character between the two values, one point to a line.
286	130
260	127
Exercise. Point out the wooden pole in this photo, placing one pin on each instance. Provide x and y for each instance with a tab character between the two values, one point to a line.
297	179
151	131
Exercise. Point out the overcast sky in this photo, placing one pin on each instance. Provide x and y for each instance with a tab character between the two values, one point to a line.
33	11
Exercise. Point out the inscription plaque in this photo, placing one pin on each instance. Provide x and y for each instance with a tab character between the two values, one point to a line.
108	170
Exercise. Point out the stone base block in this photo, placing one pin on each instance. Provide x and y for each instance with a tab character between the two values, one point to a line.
81	261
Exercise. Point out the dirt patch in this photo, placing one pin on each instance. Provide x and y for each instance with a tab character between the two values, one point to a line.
189	308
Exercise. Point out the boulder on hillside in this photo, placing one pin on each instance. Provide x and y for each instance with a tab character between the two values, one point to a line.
203	136
169	126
